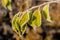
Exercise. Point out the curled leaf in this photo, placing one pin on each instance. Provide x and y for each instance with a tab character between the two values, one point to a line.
35	20
14	23
24	18
19	23
4	3
23	29
7	4
9	7
46	12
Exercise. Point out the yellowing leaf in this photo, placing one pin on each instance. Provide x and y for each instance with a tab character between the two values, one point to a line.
19	30
23	29
4	3
14	22
9	7
46	12
36	19
7	4
16	27
19	23
24	19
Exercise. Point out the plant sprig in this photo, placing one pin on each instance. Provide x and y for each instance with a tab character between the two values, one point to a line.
35	19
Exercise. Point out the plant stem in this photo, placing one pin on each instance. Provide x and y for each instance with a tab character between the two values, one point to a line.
41	5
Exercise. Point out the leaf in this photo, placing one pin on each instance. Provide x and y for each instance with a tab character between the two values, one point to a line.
30	17
4	3
24	29
46	12
15	25
14	22
24	18
7	4
36	19
19	23
9	7
20	31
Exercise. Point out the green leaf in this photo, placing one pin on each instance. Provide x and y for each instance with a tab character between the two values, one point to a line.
36	19
46	12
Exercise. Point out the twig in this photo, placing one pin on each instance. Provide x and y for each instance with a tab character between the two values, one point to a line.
40	5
